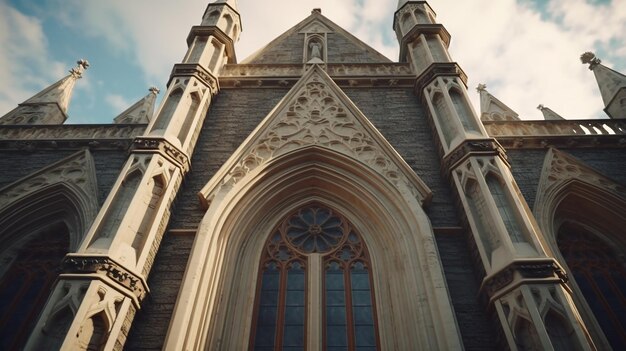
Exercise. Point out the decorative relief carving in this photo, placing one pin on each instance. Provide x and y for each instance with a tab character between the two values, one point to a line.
385	69
521	270
106	267
481	147
197	71
68	132
77	170
561	168
150	144
316	116
567	127
446	69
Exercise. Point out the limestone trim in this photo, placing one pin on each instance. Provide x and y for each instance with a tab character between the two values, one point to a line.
474	147
63	191
205	31
215	304
133	285
570	191
164	148
439	69
316	112
197	71
101	132
356	70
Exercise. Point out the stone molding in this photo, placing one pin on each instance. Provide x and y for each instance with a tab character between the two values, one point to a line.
71	132
438	69
197	71
333	70
162	146
424	29
472	147
133	284
522	272
316	112
585	127
205	31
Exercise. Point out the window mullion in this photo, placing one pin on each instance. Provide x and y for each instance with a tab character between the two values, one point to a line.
314	312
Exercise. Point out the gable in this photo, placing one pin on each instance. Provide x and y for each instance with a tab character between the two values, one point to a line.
317	113
342	47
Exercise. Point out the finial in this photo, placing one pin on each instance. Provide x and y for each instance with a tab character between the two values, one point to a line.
590	58
154	90
541	107
481	87
316	10
81	66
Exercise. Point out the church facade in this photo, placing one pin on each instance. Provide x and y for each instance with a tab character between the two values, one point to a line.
316	196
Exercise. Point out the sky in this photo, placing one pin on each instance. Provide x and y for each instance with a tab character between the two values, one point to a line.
525	51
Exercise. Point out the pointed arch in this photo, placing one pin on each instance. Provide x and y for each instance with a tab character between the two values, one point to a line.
575	203
215	304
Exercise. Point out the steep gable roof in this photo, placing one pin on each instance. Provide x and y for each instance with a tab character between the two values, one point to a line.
343	47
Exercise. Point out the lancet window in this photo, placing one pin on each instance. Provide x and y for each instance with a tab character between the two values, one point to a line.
314	261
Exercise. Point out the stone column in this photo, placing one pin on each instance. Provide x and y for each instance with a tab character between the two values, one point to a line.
523	284
103	284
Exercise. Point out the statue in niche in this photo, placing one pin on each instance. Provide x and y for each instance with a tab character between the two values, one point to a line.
315	51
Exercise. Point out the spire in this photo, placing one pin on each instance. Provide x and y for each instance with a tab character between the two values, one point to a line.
612	85
548	114
50	105
140	112
492	109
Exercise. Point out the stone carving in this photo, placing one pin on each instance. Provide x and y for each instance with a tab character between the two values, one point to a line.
109	268
591	59
561	168
560	127
316	116
77	170
71	132
535	269
152	144
385	69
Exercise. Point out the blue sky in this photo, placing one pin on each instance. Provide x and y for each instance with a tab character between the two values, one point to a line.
526	51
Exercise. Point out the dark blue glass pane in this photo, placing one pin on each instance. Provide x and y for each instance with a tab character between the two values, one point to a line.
361	298
335	315
269	298
264	336
336	336
261	348
293	348
294	335
363	315
337	348
365	348
295	280
335	298
365	335
334	281
360	281
267	315
295	298
270	280
294	315
307	216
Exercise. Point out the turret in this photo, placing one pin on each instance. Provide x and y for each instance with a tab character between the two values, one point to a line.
50	105
612	85
193	82
422	41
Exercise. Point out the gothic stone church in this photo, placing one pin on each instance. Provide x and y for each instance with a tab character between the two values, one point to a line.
314	196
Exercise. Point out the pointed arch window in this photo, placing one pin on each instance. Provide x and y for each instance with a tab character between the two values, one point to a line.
601	276
27	282
314	261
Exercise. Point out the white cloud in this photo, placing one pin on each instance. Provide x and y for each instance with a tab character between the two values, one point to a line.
25	66
525	57
118	102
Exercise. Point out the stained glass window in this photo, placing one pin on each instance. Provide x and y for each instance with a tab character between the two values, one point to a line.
285	287
26	285
601	277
